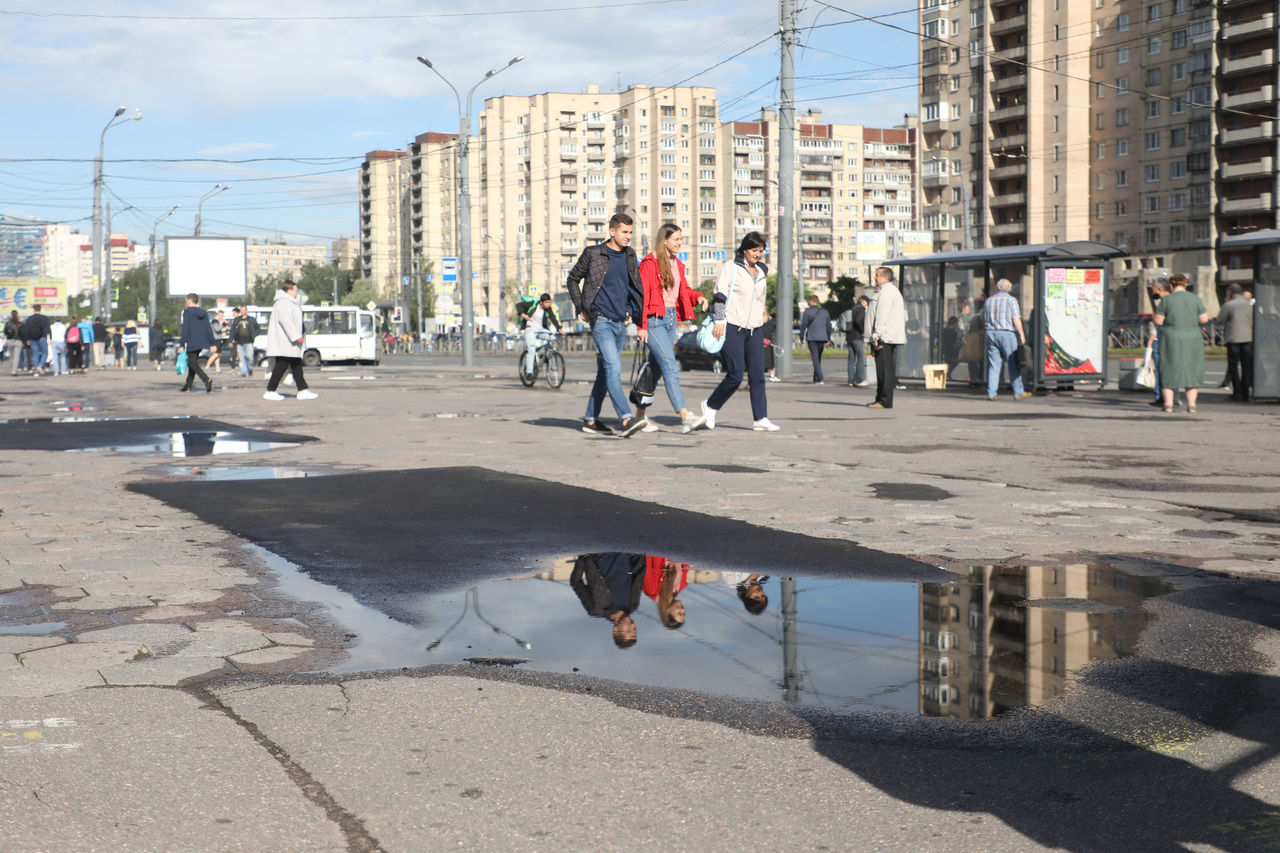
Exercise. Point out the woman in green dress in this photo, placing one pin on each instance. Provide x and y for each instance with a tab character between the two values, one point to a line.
1179	316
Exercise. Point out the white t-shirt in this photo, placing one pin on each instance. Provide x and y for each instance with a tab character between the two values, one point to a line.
58	331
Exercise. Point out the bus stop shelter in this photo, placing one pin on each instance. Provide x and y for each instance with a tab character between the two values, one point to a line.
1266	307
1062	289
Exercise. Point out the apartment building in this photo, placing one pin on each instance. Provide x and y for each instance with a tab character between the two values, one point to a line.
384	220
346	251
60	256
20	247
264	259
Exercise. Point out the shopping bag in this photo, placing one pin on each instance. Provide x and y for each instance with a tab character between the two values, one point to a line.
643	382
1146	377
180	364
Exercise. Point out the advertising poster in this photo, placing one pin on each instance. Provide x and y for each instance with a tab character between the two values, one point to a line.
1075	332
872	245
22	293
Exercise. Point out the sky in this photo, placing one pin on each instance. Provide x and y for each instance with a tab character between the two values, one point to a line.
281	100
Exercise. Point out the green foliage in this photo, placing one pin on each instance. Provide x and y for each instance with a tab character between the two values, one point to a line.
843	293
362	292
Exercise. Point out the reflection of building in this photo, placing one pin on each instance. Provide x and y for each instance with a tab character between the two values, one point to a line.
984	651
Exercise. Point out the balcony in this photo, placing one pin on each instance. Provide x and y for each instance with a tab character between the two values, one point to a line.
1247	29
1256	169
595	153
1016	22
1246	64
1244	100
1260	203
935	125
1017	53
1008	229
1006	113
1009	200
1259	133
934	180
1241	275
1005	84
1016	140
1017	170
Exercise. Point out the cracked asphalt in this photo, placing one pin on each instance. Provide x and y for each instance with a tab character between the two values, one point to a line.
160	691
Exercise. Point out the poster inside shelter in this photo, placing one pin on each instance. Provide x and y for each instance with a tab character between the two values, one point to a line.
1074	329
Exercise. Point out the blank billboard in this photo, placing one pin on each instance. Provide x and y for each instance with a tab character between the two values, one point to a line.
208	266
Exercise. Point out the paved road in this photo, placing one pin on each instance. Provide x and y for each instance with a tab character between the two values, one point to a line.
159	690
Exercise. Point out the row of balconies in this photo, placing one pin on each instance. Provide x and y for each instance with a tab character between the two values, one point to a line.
1261	132
1260	203
1256	169
1015	22
1257	62
1247	29
1005	84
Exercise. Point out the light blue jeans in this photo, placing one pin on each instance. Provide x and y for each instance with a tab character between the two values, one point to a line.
530	348
610	337
39	353
245	353
59	357
1002	348
662	356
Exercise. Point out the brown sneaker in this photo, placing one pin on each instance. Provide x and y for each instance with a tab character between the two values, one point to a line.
875	405
1024	395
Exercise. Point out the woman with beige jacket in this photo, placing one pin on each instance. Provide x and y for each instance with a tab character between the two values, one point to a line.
738	310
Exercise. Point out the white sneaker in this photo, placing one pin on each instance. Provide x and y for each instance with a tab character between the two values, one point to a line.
308	394
692	422
650	426
273	396
765	425
708	415
774	379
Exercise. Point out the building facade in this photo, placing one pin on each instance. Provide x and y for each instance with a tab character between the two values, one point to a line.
20	248
264	259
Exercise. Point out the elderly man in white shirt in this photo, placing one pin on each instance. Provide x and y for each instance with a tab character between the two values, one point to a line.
884	331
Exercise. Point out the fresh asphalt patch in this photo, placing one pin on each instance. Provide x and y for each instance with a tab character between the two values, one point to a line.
389	535
53	434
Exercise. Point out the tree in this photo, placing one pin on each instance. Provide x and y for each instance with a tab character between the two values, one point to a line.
362	292
843	294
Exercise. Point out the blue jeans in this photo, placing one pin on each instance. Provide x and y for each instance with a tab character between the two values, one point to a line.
662	356
857	361
1002	347
610	337
245	352
59	357
743	350
39	353
1155	362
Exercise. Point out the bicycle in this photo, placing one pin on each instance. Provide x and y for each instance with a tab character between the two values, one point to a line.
547	359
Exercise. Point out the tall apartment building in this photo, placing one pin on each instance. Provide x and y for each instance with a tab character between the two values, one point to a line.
345	250
384	220
20	247
60	256
267	258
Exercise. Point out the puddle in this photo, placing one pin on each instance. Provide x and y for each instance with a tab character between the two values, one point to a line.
910	492
253	472
454	415
185	444
993	640
56	419
38	628
721	469
352	378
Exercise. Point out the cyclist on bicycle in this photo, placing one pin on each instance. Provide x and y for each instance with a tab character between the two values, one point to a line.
535	318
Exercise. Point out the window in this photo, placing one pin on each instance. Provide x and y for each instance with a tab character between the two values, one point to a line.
1202	30
955	83
1179	7
1177	105
1177	169
1099	90
1099	211
1122	208
1177	137
1153	109
1154	12
1101	151
1099	60
1178	71
1154	45
1151	173
1122	54
1122	22
1122	117
955	139
1177	234
1153	142
1199	61
1099	121
1153	77
1122	147
929	112
1177	201
1178	40
1122	177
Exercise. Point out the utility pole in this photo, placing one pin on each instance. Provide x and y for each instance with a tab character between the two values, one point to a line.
335	282
965	217
502	289
417	274
786	184
790	643
106	274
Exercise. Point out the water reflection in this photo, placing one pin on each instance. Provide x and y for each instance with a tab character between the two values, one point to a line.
995	639
187	444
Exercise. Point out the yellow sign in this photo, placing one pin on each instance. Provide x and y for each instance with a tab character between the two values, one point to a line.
532	290
23	294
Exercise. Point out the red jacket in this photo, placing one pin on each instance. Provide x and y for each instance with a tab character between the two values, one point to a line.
653	567
653	301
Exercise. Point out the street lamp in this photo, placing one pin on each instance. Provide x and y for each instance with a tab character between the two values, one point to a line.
218	188
464	207
97	206
502	284
151	304
106	273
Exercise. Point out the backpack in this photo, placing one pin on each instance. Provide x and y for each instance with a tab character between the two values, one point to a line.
243	331
523	309
73	334
12	329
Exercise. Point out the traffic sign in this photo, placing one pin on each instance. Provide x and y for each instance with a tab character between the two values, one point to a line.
372	306
430	277
684	256
720	255
406	281
448	269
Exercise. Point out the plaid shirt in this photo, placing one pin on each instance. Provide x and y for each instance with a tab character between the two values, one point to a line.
999	312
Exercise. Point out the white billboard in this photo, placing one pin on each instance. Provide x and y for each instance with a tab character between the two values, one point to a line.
206	266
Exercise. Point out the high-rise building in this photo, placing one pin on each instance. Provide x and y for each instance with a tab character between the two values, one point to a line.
275	258
345	250
384	221
61	250
20	248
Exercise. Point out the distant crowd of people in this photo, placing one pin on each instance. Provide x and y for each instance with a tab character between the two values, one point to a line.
37	344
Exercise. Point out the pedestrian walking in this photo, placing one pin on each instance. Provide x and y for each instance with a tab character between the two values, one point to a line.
284	343
1159	290
1002	322
99	341
117	347
668	301
37	329
853	323
155	344
130	340
609	298
1179	316
815	329
769	328
58	346
219	339
86	343
197	335
244	331
885	331
14	340
1236	318
75	346
738	309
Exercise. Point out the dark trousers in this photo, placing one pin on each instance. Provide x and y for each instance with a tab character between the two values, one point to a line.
1240	369
857	361
886	374
284	364
743	349
815	354
194	369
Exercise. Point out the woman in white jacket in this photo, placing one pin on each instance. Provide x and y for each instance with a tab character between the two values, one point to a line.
738	311
284	342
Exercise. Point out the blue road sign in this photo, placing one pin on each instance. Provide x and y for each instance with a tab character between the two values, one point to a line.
720	255
448	269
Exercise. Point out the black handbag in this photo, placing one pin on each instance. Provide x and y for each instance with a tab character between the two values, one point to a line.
643	382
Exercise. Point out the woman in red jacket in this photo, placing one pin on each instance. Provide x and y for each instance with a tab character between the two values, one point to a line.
668	301
663	581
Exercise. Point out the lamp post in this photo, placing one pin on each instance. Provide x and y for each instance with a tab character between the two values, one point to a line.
151	303
106	272
464	207
97	206
502	284
218	188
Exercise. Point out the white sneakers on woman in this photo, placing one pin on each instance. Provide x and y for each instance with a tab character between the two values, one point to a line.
765	425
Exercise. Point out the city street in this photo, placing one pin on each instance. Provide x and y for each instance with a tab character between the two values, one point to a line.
349	623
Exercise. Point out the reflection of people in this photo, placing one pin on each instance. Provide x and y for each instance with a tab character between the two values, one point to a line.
198	443
974	341
750	589
1002	321
853	323
886	330
609	586
917	346
952	343
663	581
1179	316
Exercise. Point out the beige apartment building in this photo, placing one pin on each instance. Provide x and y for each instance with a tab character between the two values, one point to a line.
384	220
264	259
